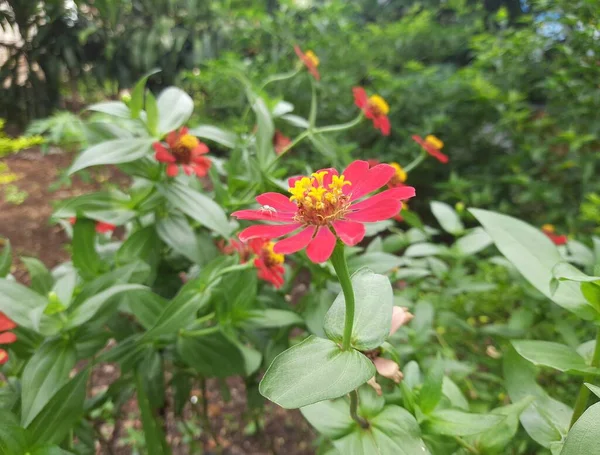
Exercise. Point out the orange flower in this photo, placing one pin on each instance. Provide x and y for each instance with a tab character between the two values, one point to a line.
310	60
374	108
433	146
6	337
558	240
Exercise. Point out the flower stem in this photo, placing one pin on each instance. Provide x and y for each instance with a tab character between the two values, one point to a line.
279	77
339	127
466	445
338	260
414	163
353	410
584	393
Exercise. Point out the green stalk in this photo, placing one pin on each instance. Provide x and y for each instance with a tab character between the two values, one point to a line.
413	164
584	393
354	408
338	260
279	77
339	127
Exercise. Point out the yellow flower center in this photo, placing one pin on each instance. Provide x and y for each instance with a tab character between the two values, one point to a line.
320	203
270	257
188	141
3	356
549	228
400	176
434	141
183	148
312	58
378	105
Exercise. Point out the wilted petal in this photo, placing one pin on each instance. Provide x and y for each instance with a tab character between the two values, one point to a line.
389	369
400	316
373	383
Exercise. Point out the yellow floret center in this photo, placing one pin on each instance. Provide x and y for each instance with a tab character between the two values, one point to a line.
320	203
270	257
549	228
312	58
188	141
400	175
378	105
437	143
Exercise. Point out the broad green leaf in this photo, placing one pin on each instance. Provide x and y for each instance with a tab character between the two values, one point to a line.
114	108
447	217
45	373
5	258
454	394
546	420
156	443
85	257
374	300
198	206
61	413
591	292
423	249
152	115
369	402
112	152
49	450
137	94
473	242
312	371
264	134
272	318
212	355
331	418
88	309
394	431
431	392
568	272
26	308
584	436
553	355
377	262
12	437
450	422
218	135
153	375
65	286
143	245
176	232
595	389
145	305
175	107
41	279
534	255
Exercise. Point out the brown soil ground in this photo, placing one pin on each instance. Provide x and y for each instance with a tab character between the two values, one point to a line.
27	227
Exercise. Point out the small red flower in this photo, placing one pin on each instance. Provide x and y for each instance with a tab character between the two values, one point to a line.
433	146
322	204
183	150
399	178
280	142
374	108
310	60
558	240
269	264
101	226
6	337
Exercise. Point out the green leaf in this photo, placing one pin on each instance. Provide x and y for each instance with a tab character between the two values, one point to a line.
176	232
473	242
65	286
450	422
115	151
156	443
431	392
374	300
175	107
534	255
423	249
143	244
153	375
212	355
369	402
264	134
377	262
5	258
595	389
553	355
198	206
114	108
394	431
88	309
26	308
85	257
568	272
218	135
61	413
331	418
447	217
49	450
546	420
41	279
591	292
137	94
454	394
12	437
584	436
312	371
272	318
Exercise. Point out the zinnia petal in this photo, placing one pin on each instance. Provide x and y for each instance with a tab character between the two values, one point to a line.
321	247
360	97
162	154
382	123
349	232
267	231
200	149
398	194
3	356
7	338
201	167
354	173
188	169
379	211
374	179
277	201
6	323
263	215
172	138
172	170
295	242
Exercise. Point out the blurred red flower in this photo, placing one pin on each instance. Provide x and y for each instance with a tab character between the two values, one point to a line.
183	150
374	108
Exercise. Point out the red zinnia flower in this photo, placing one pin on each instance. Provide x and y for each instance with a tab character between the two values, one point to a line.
558	240
374	108
185	150
310	60
101	226
323	203
280	142
269	264
433	146
6	337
